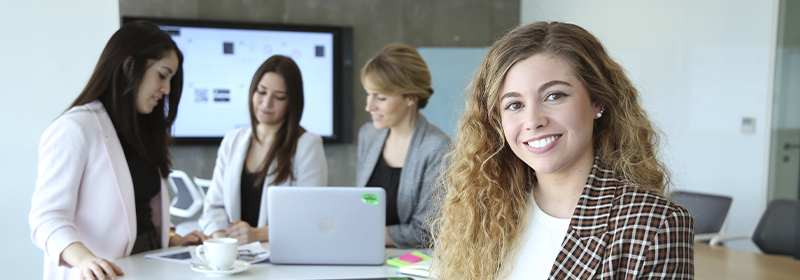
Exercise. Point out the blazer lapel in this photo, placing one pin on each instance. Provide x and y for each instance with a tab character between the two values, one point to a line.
374	152
409	179
263	213
119	164
236	166
161	217
584	245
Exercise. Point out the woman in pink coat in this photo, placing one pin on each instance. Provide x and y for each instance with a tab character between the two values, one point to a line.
100	193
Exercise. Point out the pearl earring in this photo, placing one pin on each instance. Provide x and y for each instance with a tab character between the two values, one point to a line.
601	113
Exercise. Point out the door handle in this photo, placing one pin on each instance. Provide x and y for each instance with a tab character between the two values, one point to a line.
789	146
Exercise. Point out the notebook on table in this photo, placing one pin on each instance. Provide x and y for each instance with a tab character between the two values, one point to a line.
326	225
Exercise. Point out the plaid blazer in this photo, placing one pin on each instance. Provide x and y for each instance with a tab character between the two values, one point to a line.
620	231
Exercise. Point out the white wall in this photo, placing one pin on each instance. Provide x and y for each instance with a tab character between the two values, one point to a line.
48	51
701	66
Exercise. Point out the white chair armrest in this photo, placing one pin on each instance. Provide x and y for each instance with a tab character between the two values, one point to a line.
705	236
727	237
202	184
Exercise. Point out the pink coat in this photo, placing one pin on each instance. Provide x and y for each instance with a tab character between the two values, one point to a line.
84	192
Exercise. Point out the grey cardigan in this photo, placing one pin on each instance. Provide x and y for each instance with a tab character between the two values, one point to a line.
420	168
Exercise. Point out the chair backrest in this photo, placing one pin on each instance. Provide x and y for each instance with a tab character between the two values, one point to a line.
710	212
203	185
778	230
187	201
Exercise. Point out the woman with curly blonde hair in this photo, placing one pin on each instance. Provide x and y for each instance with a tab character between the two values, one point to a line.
554	173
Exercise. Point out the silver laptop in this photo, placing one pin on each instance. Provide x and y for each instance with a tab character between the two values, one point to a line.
326	225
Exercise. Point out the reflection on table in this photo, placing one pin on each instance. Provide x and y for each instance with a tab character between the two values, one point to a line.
720	262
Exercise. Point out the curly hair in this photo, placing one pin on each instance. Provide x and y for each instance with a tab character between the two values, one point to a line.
486	186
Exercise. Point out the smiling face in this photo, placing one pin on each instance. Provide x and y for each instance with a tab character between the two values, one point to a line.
388	110
547	115
270	99
156	82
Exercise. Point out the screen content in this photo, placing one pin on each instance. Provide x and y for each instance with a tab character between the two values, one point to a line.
219	64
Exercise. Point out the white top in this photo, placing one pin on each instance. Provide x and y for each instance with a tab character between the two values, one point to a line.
539	244
223	200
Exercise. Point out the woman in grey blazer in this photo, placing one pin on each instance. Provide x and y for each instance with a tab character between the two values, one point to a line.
400	151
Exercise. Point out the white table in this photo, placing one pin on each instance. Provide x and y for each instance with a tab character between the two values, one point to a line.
711	262
137	267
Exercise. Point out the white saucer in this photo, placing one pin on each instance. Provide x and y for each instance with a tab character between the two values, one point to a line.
238	266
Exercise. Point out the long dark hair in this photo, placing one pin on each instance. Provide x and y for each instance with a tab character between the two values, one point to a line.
286	138
116	87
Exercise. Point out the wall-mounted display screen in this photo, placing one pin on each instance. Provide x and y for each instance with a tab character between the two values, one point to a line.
220	59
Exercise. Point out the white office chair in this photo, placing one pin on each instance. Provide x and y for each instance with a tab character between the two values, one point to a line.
186	227
188	200
202	185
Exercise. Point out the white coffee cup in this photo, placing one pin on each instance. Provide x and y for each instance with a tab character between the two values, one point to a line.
219	253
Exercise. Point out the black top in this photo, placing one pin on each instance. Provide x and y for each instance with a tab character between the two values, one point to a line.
251	198
146	185
387	178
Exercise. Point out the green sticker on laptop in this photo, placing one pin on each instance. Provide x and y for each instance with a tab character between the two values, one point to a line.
369	198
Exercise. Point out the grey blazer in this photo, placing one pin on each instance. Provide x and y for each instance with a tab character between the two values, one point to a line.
420	168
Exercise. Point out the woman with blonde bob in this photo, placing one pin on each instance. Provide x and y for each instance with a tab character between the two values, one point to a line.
554	173
400	151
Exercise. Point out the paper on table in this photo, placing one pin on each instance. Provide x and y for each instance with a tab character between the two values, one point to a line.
252	253
421	269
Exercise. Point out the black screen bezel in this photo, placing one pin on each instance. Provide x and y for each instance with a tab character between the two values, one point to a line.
342	68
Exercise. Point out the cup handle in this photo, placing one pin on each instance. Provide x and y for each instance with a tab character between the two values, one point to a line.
201	248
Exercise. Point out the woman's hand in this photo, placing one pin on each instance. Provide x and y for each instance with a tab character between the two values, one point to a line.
219	234
98	268
193	238
89	265
243	232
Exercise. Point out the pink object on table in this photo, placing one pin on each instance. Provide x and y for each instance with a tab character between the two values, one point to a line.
408	257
